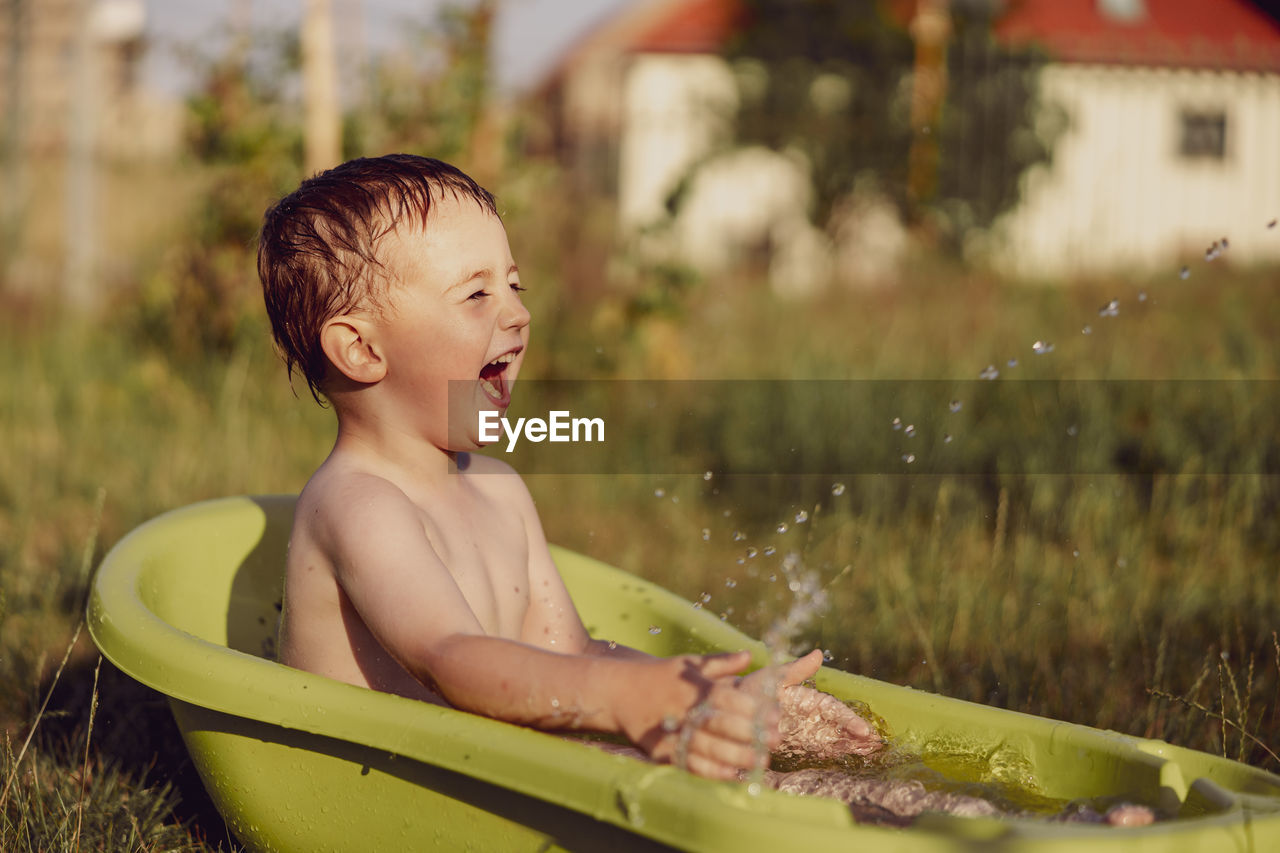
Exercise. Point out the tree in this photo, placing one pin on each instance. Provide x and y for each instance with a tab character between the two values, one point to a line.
833	80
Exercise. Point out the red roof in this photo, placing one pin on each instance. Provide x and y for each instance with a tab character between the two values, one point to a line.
1227	34
697	26
1199	33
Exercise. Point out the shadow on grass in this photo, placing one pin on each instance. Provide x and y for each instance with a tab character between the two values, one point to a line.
133	734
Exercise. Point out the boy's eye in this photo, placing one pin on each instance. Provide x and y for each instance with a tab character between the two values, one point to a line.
479	294
516	287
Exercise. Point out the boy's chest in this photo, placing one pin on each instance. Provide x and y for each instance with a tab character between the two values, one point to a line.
488	557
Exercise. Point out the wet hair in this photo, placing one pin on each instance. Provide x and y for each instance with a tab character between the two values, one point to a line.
317	252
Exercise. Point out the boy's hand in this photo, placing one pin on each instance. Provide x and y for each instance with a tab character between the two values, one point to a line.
698	714
813	723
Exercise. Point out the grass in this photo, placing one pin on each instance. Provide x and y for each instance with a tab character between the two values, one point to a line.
1143	601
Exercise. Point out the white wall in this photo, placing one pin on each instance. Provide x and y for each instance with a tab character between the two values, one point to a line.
1119	195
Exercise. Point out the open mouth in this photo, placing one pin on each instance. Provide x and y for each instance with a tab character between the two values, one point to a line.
493	377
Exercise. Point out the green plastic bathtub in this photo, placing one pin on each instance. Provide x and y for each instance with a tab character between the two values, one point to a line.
187	604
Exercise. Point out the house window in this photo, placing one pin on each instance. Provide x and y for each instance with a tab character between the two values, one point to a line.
1204	135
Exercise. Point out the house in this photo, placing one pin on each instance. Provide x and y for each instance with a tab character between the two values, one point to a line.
1172	114
1174	125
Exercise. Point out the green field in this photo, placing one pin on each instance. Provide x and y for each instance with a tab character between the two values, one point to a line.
1142	600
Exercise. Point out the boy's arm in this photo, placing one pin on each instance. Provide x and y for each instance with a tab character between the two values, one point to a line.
410	602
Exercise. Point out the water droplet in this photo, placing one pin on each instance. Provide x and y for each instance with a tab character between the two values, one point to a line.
1121	562
1225	655
730	583
769	550
739	536
956	406
754	789
837	489
1142	296
909	458
1075	552
706	475
897	423
706	534
801	517
989	373
946	439
1184	273
751	553
1087	330
742	561
658	493
1072	430
1111	309
675	499
697	605
827	657
654	629
783	527
1042	347
773	578
613	644
1013	362
728	512
704	597
910	430
555	703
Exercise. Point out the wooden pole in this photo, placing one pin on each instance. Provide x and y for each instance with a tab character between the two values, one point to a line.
930	28
322	122
80	235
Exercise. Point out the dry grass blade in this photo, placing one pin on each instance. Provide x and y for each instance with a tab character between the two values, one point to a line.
1160	694
88	738
13	774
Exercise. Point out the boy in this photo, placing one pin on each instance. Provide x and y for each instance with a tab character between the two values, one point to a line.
419	569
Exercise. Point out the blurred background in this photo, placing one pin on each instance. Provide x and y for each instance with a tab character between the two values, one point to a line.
694	189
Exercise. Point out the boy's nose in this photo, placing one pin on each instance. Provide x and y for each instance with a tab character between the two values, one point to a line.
515	315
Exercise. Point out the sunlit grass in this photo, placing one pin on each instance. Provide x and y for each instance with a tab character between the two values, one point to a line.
1147	605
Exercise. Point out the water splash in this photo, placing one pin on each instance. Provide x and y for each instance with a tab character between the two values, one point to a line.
809	602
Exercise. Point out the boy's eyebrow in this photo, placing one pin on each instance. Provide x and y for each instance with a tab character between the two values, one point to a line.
480	273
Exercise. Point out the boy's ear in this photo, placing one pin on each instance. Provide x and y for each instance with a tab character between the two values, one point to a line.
349	344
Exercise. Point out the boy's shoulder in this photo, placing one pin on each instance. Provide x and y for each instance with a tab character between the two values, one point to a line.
342	493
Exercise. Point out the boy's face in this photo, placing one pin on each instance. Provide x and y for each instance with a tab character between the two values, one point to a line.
455	329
